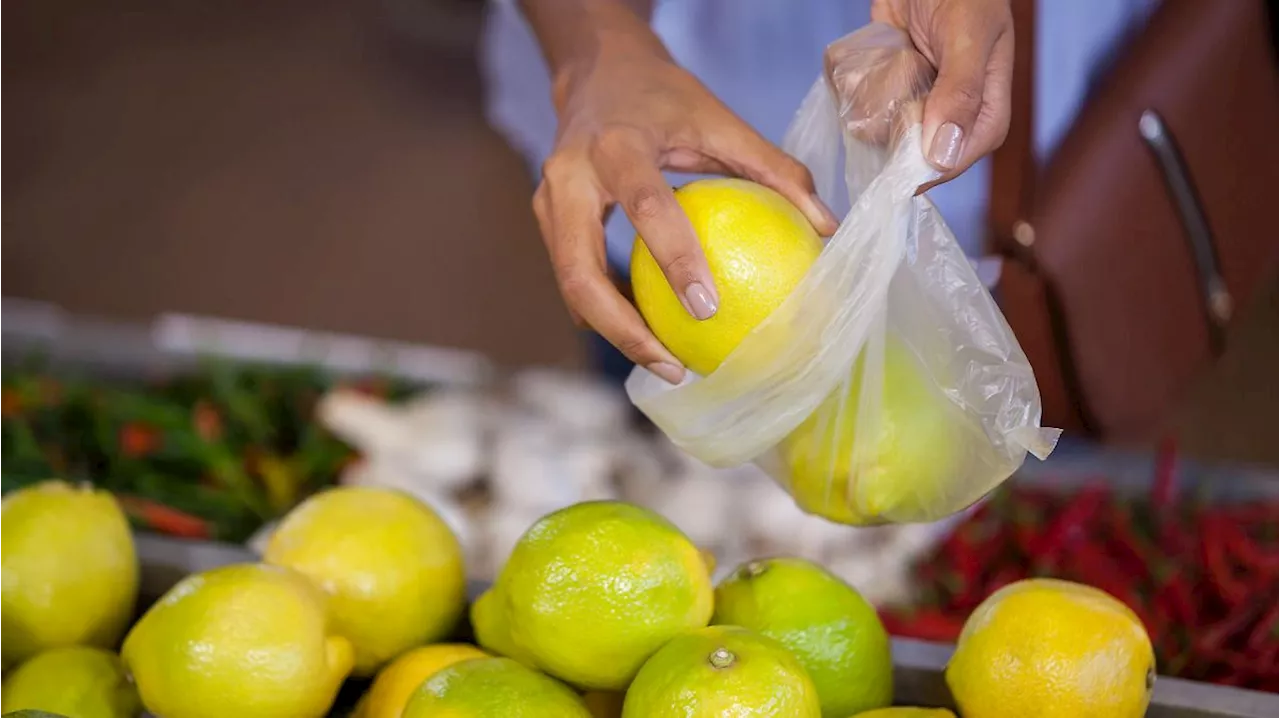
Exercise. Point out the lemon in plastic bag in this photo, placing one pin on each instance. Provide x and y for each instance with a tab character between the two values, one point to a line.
902	465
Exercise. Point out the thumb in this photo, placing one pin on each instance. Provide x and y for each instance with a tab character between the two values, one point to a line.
966	114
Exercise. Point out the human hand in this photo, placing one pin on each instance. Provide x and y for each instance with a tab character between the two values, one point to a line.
955	54
627	113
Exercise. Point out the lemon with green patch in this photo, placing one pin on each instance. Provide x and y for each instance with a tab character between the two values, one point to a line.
830	627
592	590
722	671
484	687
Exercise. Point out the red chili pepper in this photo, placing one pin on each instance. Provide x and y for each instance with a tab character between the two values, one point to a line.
1264	632
1166	465
1213	639
10	402
927	626
138	440
1221	572
207	421
165	519
1245	549
1068	526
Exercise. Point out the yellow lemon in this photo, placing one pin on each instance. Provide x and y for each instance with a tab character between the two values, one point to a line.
593	590
242	640
830	628
758	247
1044	647
907	712
392	567
485	687
77	681
902	473
721	671
397	682
70	573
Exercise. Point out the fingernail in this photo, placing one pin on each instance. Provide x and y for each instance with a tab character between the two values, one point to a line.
947	143
825	212
668	371
699	300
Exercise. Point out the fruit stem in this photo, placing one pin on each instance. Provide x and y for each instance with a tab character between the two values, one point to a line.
754	569
721	658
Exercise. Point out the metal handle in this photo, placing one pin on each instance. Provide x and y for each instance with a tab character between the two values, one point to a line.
1217	301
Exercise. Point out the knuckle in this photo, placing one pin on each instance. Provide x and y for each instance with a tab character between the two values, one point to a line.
539	201
966	96
575	285
634	346
557	168
614	140
644	202
679	269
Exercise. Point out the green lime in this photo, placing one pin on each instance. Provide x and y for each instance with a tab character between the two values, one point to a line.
77	681
832	629
721	671
482	687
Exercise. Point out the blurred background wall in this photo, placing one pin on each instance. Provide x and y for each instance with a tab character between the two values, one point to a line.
321	163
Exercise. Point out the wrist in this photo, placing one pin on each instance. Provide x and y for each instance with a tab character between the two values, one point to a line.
581	38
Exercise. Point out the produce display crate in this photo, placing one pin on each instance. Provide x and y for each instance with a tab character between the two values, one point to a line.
918	665
175	344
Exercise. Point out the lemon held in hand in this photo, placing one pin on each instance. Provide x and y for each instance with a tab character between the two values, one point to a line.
77	681
829	627
1052	648
392	567
593	590
758	247
396	683
242	640
484	687
721	671
69	567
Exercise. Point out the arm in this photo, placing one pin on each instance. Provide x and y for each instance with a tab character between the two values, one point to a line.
627	112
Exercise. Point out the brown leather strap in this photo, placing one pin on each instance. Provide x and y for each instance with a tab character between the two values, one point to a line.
1013	166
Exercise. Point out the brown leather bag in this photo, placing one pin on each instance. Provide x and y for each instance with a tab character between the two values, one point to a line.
1126	256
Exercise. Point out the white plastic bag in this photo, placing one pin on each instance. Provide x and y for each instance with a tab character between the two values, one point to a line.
888	386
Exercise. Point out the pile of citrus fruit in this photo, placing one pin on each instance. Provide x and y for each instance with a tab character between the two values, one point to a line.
603	609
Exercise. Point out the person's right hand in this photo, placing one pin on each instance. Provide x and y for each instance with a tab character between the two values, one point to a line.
626	113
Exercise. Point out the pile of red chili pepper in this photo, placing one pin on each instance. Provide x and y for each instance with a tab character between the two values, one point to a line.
1202	577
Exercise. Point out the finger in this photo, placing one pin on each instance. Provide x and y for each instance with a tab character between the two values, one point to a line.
755	158
630	175
569	214
953	137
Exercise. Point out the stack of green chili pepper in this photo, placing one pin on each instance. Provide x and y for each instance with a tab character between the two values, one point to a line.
214	454
1202	577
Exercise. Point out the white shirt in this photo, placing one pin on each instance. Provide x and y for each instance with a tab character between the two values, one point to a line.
761	56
